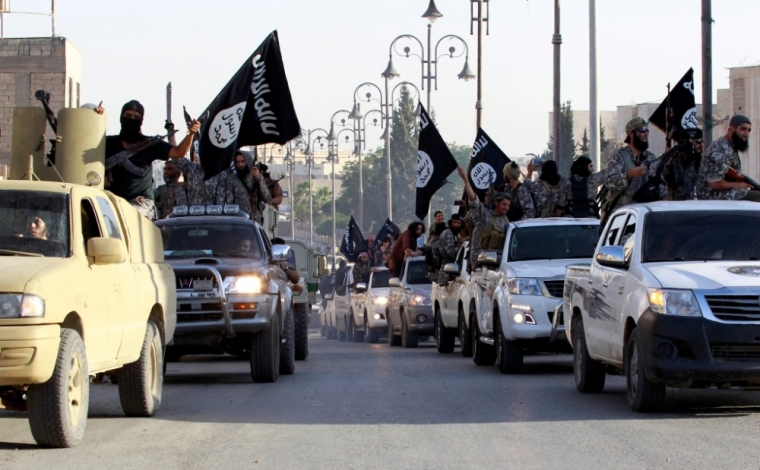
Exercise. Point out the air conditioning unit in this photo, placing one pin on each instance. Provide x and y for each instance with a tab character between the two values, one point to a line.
5	6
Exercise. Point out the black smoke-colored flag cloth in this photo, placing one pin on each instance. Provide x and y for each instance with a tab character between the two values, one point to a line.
254	108
387	229
486	165
353	242
434	163
682	103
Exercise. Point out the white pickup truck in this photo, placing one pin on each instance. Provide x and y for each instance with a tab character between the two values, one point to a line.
671	299
515	303
366	317
450	302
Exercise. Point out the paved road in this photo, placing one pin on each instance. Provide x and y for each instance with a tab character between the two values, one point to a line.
372	406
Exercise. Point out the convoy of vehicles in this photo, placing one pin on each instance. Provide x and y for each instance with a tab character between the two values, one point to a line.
671	299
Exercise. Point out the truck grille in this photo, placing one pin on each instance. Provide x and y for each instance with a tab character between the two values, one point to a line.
197	317
186	282
736	353
735	307
555	288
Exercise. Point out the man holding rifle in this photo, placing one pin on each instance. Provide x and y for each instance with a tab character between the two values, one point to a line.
133	178
720	172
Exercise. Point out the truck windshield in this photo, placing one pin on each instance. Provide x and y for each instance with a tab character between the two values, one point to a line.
701	236
198	240
380	279
417	273
35	223
553	242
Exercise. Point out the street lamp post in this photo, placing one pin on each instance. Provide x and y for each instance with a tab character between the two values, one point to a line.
332	142
480	19
557	41
310	162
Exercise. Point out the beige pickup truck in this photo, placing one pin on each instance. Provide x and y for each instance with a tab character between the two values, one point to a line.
84	290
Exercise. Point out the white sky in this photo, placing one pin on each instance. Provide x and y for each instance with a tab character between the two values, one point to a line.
131	49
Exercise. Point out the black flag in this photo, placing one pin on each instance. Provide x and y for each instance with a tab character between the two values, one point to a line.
486	165
254	108
353	242
682	104
434	163
388	228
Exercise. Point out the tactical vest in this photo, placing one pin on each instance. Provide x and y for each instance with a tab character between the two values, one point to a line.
580	206
515	211
492	239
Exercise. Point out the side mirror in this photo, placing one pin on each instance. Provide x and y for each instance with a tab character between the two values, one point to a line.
105	250
280	253
488	258
321	266
612	257
451	268
394	282
361	287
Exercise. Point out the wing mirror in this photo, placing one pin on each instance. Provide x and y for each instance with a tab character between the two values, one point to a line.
281	253
612	257
105	250
451	268
394	282
488	258
361	287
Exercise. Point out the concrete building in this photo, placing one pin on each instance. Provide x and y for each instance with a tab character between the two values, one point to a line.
52	64
743	97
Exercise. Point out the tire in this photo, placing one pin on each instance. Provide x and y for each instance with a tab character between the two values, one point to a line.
288	345
465	339
482	354
301	316
265	353
393	340
141	383
444	337
509	354
409	339
644	396
58	408
328	334
349	322
357	333
371	335
342	333
589	374
322	331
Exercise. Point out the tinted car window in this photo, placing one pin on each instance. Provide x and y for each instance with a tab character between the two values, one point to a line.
380	279
34	222
553	242
417	273
224	240
112	223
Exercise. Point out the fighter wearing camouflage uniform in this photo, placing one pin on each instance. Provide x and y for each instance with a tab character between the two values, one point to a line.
522	207
200	192
362	269
448	246
682	162
170	194
577	194
245	191
718	158
546	190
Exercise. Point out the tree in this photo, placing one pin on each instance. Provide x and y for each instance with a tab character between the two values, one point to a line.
321	201
567	141
585	148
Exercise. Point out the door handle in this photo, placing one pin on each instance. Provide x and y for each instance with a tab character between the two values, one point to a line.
604	284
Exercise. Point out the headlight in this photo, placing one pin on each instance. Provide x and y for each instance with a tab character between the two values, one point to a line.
380	300
674	302
419	300
523	286
21	306
243	285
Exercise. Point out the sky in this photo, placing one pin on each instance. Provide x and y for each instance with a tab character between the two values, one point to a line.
131	49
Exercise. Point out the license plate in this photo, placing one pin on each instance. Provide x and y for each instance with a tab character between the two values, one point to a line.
203	284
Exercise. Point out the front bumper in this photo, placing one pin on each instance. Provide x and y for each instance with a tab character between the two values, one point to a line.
236	313
704	352
380	323
28	353
540	309
414	314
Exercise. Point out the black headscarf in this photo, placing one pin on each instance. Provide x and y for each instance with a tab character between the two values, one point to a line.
580	167
130	127
549	173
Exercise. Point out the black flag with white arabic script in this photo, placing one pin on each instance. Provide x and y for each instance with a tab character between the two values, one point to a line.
388	229
434	163
683	104
353	242
486	165
254	108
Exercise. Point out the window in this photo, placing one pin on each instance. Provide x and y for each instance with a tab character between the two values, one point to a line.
553	242
628	240
418	273
184	240
34	222
381	278
614	230
90	227
112	223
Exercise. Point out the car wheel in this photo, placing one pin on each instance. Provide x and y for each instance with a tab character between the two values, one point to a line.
465	339
265	353
509	354
288	346
58	408
141	383
370	334
589	374
409	339
342	333
393	340
482	354
444	337
322	331
643	394
358	333
349	322
301	316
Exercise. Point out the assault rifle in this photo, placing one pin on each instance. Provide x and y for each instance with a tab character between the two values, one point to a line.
735	175
44	98
124	156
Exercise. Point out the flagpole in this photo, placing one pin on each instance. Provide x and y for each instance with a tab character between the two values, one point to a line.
707	114
557	41
595	145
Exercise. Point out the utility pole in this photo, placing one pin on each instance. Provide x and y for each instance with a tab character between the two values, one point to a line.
480	19
557	41
707	113
595	145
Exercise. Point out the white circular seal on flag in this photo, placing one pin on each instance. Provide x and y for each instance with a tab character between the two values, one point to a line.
483	175
425	169
225	127
689	119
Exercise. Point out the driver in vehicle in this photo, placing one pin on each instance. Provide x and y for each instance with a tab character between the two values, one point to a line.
36	229
244	245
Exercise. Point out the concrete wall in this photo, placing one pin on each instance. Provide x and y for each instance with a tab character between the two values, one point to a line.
745	99
30	64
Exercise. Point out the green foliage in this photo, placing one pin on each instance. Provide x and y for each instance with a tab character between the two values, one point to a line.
567	141
321	202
